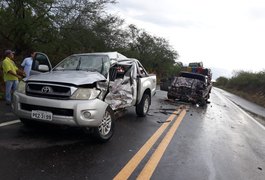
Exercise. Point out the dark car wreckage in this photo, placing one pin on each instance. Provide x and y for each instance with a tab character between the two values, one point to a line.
190	87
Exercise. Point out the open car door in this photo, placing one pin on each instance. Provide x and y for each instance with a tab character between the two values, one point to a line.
40	64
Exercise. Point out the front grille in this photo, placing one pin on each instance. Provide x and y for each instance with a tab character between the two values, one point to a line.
55	111
184	90
48	90
181	90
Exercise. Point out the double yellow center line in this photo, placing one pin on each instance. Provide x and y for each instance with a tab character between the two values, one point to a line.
149	168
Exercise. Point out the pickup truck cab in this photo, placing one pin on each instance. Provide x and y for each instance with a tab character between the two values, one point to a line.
84	90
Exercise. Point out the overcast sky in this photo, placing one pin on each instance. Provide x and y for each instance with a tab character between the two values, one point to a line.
227	34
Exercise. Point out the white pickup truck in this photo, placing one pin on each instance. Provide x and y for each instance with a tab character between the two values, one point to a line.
84	90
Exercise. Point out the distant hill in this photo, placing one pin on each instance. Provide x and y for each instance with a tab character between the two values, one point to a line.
217	72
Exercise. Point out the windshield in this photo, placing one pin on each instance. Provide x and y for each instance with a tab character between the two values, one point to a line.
99	63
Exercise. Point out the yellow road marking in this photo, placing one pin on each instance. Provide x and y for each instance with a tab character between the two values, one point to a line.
157	155
128	169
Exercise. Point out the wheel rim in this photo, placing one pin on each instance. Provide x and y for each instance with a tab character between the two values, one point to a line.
105	125
146	105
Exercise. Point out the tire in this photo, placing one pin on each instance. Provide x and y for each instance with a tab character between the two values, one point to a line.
207	97
105	130
202	102
170	97
143	107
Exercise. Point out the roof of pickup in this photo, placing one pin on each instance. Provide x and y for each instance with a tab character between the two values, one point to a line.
192	75
112	55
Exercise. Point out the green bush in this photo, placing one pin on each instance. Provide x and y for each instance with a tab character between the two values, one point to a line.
221	81
247	81
248	85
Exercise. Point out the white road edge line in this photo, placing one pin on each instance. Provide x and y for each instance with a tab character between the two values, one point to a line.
244	112
9	123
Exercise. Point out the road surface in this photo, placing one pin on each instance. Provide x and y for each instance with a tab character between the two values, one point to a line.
175	141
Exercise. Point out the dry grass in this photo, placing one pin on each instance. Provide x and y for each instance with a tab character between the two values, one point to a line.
257	97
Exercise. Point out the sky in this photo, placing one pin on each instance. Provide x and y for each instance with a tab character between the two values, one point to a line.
224	34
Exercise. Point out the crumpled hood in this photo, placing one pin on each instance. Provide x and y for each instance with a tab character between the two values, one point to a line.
188	83
73	77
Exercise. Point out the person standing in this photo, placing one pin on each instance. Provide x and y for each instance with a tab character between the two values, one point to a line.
27	63
10	75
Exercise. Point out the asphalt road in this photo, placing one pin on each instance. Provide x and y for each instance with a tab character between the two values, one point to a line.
175	141
255	110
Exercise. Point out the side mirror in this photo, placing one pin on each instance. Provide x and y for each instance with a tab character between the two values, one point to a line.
43	68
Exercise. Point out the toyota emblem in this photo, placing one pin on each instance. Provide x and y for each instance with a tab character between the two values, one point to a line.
46	89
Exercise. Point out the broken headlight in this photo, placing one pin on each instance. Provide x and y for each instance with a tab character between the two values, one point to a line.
85	93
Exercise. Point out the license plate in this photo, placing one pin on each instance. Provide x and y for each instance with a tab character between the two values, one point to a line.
43	115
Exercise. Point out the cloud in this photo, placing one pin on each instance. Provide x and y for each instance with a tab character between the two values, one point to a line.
227	34
159	13
165	21
257	13
129	4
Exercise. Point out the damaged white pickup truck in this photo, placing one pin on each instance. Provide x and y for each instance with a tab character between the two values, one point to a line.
84	90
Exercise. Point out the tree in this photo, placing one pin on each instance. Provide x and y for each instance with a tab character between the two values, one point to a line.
154	52
221	81
63	27
42	24
25	23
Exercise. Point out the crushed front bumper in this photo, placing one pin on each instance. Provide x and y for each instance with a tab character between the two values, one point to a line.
185	94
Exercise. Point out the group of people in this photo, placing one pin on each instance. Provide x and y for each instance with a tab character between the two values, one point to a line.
12	74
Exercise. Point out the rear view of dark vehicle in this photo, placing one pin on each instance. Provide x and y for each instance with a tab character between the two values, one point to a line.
190	87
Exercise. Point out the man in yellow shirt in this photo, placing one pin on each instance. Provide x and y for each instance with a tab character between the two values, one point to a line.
10	74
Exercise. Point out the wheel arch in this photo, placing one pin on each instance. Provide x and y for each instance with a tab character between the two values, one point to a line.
147	91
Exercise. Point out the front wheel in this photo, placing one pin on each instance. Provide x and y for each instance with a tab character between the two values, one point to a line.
208	96
202	102
170	97
105	129
143	107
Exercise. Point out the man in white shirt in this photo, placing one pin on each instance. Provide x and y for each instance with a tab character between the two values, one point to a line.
27	63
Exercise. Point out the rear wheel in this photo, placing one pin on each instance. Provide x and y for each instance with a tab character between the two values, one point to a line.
105	129
143	107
